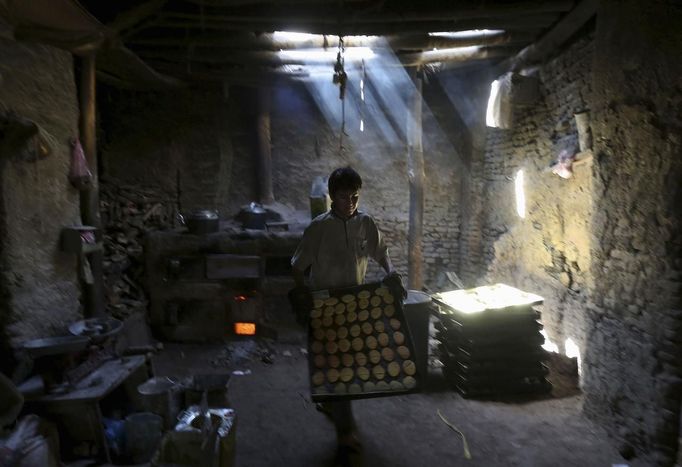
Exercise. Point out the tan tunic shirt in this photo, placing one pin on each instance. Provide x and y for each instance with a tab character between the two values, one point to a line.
338	250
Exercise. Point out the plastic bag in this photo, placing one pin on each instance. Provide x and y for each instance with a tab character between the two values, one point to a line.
79	173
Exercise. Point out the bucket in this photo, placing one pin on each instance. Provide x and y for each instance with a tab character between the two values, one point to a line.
417	310
142	435
161	396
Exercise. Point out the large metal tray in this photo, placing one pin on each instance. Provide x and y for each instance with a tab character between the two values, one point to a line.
336	370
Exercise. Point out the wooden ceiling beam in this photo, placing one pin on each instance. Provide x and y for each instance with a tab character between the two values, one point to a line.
333	15
275	59
377	28
268	42
553	39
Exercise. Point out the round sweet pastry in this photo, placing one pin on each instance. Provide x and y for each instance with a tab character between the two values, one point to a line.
381	291
394	369
383	339
389	299
320	390
329	311
331	347
374	356
333	361
340	308
331	301
351	316
375	300
404	352
371	342
383	386
361	359
344	345
348	298
315	313
363	315
396	385
317	303
346	374
342	332
369	386
347	359
379	326
318	334
363	303
409	382
364	294
340	320
378	372
317	347
399	337
315	323
332	375
388	354
363	373
327	321
352	306
409	367
375	313
340	388
389	310
357	344
330	334
320	361
355	330
367	328
317	378
354	388
395	324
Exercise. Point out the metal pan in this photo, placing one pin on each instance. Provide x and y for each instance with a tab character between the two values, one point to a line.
55	345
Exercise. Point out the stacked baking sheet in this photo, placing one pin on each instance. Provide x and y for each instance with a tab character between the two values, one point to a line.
359	345
490	341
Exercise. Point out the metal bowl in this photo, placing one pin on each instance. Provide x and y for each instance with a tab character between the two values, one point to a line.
55	345
96	329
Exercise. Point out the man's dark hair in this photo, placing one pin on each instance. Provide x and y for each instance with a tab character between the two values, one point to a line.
344	178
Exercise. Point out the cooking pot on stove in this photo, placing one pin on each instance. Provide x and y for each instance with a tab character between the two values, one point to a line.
253	216
202	221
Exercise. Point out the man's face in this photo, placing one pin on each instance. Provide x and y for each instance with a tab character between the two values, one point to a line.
346	202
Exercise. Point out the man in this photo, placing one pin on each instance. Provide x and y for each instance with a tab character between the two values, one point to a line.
336	246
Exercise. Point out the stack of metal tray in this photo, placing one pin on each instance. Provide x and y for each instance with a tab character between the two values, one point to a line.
492	347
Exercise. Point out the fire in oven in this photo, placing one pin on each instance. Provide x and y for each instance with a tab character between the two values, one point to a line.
208	297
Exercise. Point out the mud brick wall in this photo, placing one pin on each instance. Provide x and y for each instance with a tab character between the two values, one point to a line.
148	138
634	345
548	252
39	293
603	247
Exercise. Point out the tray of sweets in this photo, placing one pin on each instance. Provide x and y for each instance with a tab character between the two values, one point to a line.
359	345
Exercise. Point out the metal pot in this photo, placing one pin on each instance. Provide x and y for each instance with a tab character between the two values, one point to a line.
203	221
253	216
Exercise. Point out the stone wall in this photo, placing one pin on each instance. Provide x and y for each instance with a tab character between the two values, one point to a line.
38	283
548	251
603	247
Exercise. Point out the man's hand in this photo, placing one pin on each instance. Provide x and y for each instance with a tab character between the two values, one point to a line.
301	301
394	281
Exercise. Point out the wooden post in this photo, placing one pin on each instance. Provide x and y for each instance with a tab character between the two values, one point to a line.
415	173
265	195
89	200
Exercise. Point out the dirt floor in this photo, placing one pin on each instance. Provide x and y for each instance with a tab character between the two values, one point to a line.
278	425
